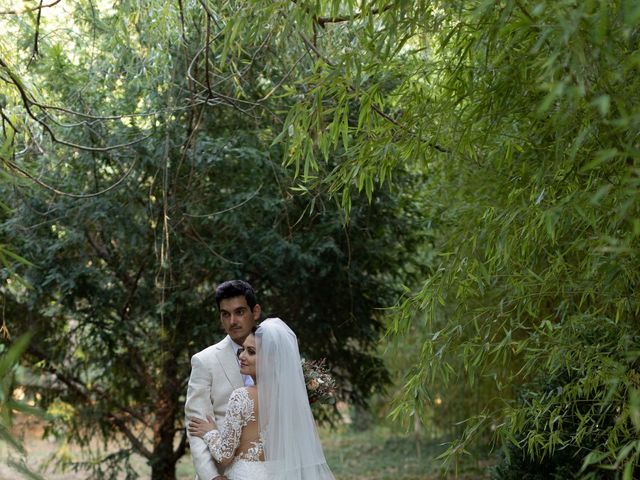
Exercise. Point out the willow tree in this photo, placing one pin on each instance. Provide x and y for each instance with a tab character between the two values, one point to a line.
525	116
148	174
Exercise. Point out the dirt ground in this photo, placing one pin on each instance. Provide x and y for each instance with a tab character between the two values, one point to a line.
378	454
39	454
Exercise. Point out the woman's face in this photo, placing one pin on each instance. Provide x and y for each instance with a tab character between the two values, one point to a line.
247	356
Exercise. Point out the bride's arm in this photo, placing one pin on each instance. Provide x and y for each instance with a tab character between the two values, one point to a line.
224	442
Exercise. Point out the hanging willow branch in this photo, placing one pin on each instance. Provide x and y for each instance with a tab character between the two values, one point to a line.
28	102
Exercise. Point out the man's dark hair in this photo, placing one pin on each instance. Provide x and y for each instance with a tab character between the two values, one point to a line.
236	288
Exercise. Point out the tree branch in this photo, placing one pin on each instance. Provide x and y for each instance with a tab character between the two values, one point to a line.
80	389
101	250
181	8
182	447
23	172
6	119
375	108
36	37
27	102
220	212
282	80
26	10
322	21
132	287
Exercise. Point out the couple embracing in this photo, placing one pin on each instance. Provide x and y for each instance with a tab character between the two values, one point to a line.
247	409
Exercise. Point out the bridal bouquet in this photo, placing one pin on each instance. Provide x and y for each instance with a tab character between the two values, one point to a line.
321	386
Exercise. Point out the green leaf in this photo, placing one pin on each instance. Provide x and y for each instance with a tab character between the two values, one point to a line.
634	408
602	103
628	471
8	438
599	158
8	253
10	358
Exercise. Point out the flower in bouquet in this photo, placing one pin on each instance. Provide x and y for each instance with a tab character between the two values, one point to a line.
321	387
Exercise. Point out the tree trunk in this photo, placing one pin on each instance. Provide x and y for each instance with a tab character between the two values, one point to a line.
164	459
163	467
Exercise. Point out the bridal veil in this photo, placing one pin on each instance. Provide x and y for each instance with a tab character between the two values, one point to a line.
291	443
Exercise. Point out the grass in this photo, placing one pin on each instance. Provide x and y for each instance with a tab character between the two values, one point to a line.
380	453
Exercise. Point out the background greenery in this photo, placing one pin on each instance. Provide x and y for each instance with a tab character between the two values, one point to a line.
472	164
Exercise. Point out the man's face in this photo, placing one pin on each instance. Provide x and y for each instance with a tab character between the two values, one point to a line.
237	318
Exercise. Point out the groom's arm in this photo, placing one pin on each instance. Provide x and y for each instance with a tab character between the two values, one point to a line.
198	404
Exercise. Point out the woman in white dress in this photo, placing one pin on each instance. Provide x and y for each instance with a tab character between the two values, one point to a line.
269	432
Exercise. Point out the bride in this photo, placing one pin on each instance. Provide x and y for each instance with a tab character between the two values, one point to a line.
268	432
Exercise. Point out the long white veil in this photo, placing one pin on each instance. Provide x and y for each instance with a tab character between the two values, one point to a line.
291	444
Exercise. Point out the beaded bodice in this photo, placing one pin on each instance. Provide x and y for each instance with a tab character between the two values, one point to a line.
228	441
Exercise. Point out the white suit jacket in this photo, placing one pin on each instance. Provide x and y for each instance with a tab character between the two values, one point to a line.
214	375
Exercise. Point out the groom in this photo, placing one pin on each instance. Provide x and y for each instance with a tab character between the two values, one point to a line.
215	371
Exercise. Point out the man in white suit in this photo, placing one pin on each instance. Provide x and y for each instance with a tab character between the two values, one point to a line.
215	371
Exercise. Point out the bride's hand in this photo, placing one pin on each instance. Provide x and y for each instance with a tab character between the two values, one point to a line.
198	427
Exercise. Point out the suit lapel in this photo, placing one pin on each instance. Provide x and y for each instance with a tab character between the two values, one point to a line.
229	363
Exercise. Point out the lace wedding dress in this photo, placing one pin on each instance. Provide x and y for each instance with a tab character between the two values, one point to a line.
284	443
229	442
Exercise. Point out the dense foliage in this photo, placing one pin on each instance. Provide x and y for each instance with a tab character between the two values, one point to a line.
525	117
137	194
519	120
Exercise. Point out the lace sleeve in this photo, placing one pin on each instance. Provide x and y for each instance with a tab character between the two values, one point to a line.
223	443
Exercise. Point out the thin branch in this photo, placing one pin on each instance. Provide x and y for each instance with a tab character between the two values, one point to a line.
36	37
206	53
164	263
281	81
322	21
209	12
181	7
20	170
99	249
229	101
209	88
312	46
33	9
193	129
137	444
208	247
79	388
232	102
27	102
6	119
376	109
191	65
220	212
182	447
87	148
44	106
260	48
132	289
